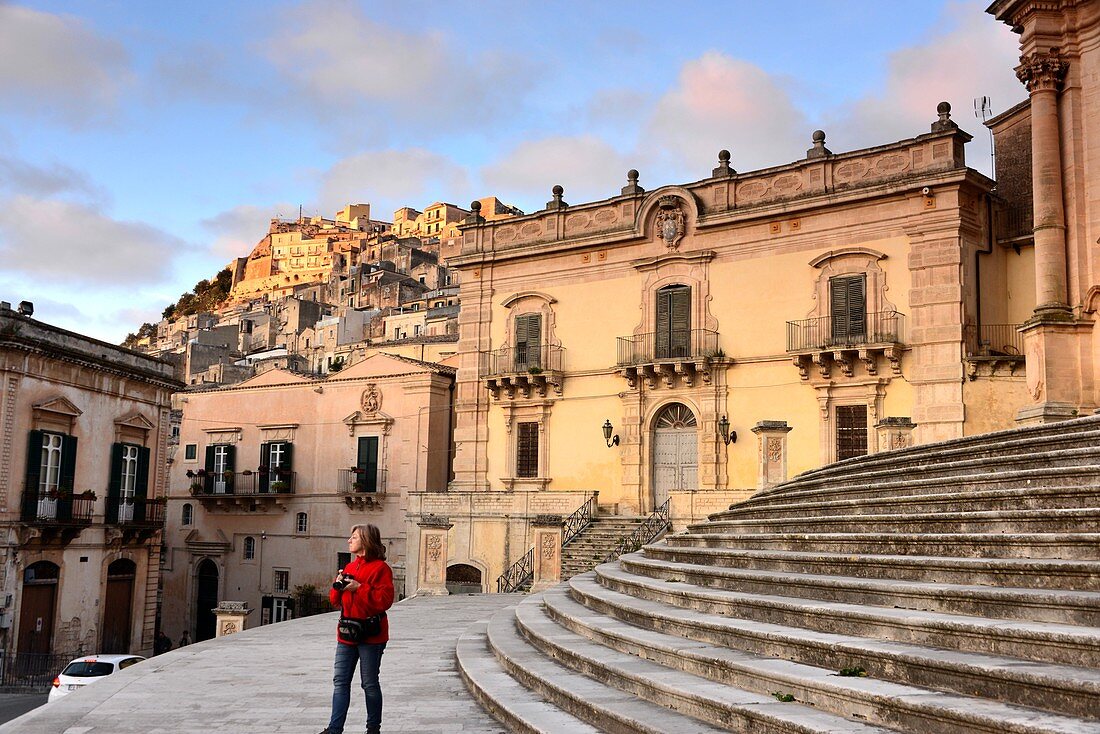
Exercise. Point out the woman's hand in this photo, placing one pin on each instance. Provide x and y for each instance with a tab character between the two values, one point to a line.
352	585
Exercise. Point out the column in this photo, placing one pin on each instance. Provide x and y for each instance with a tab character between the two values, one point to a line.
772	452
431	574
231	617
547	561
895	433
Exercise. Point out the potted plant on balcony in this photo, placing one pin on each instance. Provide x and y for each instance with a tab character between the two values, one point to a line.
88	494
359	485
190	474
246	473
196	489
534	370
227	475
280	486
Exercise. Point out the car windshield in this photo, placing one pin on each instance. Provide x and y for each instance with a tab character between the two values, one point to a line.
87	669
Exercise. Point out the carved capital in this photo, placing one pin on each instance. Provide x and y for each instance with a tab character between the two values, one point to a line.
1042	71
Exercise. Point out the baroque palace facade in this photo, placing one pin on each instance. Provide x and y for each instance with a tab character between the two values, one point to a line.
691	344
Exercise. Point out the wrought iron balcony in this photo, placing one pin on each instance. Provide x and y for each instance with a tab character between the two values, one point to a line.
134	512
665	356
58	508
993	349
535	367
357	490
827	342
247	489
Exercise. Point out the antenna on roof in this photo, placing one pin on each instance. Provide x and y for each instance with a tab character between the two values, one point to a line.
299	213
983	111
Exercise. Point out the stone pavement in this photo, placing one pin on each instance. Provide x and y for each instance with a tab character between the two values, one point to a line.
279	679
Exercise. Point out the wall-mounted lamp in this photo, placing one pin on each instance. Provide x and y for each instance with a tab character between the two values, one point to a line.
609	434
725	433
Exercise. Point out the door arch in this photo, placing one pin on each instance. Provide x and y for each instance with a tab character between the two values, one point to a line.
206	598
37	607
463	578
675	452
118	606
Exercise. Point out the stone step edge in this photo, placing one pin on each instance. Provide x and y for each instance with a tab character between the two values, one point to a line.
925	709
1040	685
505	698
1023	567
572	691
1045	642
713	703
901	592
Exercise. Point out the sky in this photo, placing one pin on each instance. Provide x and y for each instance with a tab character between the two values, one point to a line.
144	145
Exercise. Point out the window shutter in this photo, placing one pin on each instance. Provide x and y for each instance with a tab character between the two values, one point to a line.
680	318
34	462
664	321
230	457
264	479
857	307
209	459
528	338
290	608
368	462
114	482
848	308
68	461
288	455
265	609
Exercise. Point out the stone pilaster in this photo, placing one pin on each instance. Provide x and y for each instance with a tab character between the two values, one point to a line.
895	433
232	616
772	452
547	561
431	576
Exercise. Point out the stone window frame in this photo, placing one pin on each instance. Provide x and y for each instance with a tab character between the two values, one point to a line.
187	515
248	550
537	411
275	576
301	523
524	303
850	261
871	394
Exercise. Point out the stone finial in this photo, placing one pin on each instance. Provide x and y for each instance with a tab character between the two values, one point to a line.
475	213
723	168
944	123
819	150
557	202
632	186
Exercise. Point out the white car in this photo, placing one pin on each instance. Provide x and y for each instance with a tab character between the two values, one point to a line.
88	669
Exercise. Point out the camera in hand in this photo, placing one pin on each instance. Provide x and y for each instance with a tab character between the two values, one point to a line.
342	580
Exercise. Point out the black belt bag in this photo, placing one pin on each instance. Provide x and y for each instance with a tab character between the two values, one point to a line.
358	630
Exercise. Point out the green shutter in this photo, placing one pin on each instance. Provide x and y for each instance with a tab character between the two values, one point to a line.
288	456
68	461
230	458
368	462
114	482
265	460
209	459
528	340
141	488
34	462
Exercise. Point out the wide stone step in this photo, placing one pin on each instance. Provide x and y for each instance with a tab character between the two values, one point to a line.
1076	546
1036	521
1037	605
1069	479
859	501
1042	641
1062	689
595	702
723	706
1028	572
503	696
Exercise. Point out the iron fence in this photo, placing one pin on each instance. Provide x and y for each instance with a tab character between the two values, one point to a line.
531	359
135	511
993	340
243	483
28	671
828	332
668	344
355	480
57	507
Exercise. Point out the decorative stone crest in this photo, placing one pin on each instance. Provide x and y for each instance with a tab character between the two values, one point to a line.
434	546
1039	71
775	449
549	547
372	399
670	221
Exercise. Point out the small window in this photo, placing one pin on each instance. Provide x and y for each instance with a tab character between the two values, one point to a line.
175	431
249	551
302	523
281	581
527	450
191	452
851	431
187	515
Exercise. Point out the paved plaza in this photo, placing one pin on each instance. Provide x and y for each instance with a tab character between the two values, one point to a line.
279	679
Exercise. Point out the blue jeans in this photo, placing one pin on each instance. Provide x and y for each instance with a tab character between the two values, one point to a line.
370	659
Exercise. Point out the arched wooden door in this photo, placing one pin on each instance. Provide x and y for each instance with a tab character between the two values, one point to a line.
37	607
118	604
675	452
206	598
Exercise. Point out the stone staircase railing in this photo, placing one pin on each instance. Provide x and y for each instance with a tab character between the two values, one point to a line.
518	576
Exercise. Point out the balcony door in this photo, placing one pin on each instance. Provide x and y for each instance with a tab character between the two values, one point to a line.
49	477
848	309
528	342
675	452
673	333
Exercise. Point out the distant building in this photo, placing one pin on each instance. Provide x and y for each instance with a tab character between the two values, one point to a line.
83	471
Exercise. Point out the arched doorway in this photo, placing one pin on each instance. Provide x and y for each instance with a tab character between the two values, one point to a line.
463	578
118	606
206	598
675	451
36	609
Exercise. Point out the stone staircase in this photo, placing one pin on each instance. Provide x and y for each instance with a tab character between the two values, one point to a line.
943	589
592	545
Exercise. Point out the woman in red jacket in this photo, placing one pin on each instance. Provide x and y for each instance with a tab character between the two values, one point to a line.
368	591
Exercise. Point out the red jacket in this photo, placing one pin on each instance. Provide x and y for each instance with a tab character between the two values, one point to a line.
374	596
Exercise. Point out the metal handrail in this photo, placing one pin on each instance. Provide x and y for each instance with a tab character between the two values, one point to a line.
657	523
671	344
523	570
533	359
993	340
826	332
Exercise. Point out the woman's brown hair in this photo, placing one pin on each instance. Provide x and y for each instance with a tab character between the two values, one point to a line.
371	540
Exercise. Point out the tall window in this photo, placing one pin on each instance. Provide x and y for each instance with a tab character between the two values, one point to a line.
673	334
527	450
851	431
366	464
302	523
528	338
49	474
187	515
848	309
281	581
248	552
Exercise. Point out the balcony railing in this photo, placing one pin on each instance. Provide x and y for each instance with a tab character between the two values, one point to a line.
533	359
60	508
134	512
672	345
828	333
1015	221
993	340
355	481
247	483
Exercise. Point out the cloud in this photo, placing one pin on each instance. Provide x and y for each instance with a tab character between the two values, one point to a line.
236	231
375	78
59	67
389	179
586	166
722	102
943	68
55	241
21	177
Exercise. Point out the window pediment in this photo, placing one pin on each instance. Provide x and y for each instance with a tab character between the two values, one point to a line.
517	297
59	406
359	418
825	258
135	421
